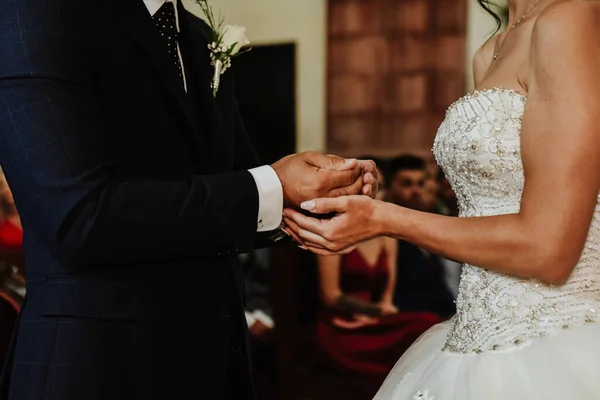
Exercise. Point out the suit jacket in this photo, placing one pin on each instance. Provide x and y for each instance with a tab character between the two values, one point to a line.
420	284
134	196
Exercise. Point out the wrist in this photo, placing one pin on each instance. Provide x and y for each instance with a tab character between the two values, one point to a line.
391	220
381	218
277	168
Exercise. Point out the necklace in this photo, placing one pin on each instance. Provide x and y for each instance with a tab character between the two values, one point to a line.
499	44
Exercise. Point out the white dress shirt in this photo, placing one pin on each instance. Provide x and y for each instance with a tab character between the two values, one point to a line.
258	315
270	192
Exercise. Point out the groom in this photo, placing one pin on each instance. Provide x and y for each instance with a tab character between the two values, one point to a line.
136	189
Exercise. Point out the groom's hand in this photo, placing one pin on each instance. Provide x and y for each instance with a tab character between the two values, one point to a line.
309	175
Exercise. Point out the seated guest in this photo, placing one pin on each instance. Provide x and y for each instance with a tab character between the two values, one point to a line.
421	281
11	243
259	316
258	302
433	202
359	328
446	195
11	231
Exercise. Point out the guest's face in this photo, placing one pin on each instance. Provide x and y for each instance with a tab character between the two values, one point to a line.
407	188
430	194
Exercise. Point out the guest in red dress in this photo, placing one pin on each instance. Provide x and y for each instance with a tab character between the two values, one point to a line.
360	330
11	231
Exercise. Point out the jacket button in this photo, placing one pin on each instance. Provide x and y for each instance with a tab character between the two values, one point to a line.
223	316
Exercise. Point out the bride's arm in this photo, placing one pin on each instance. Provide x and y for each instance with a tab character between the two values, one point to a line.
560	144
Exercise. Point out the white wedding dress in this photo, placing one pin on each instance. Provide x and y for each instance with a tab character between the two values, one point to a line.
511	338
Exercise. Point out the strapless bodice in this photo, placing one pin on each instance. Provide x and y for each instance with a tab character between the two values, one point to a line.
478	147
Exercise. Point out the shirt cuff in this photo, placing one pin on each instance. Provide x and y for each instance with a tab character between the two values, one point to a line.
264	318
250	319
270	198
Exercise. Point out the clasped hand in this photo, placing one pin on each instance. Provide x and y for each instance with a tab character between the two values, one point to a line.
341	186
354	222
310	175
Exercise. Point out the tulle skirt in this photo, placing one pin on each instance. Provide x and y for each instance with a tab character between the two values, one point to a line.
564	365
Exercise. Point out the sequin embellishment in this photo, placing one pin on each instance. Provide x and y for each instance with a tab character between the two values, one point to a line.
478	147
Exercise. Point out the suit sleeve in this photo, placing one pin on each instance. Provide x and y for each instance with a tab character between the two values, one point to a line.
58	154
246	158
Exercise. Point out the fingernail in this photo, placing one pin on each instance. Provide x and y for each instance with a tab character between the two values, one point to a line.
303	247
286	232
308	205
350	160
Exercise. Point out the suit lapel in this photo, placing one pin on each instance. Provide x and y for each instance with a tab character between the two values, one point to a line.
194	42
135	17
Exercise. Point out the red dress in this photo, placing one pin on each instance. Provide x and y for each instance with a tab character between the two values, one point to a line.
11	236
372	350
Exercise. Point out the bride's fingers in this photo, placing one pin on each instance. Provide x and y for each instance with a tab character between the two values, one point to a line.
308	228
303	221
307	238
291	228
293	235
325	252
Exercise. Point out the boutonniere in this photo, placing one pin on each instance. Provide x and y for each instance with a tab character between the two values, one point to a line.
227	42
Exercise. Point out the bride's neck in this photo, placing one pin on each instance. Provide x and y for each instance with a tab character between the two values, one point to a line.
517	8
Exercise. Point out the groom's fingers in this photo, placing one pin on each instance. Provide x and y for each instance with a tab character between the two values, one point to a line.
331	162
336	180
371	185
351	188
368	166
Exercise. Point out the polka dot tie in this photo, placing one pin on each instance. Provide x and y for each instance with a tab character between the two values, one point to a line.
167	26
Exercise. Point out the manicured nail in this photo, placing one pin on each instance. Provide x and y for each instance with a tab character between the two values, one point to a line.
308	205
286	232
303	247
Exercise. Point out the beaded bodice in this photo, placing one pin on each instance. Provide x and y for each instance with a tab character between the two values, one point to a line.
478	147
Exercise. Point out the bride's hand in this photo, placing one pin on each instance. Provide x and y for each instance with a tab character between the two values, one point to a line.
353	223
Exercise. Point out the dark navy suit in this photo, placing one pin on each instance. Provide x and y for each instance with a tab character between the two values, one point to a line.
134	197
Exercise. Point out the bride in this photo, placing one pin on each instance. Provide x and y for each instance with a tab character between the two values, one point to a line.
523	155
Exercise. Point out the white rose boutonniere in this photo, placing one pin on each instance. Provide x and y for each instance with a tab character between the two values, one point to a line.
227	41
234	37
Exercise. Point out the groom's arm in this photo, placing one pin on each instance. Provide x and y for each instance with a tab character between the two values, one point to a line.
60	159
270	192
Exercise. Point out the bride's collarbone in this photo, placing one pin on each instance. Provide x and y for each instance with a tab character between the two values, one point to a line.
509	71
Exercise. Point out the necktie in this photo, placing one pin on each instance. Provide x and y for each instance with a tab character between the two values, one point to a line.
164	19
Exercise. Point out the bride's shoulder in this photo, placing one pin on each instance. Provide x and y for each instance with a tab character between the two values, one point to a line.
568	19
564	46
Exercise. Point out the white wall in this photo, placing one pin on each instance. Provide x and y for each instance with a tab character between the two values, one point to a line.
302	22
479	27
